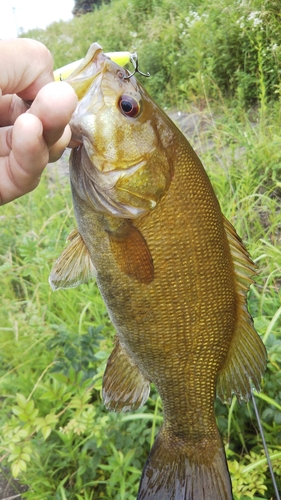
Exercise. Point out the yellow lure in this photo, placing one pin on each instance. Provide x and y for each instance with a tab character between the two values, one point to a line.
120	58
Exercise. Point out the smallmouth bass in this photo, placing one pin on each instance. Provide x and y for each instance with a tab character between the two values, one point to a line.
172	271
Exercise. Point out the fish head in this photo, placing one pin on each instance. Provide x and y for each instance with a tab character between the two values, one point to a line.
124	163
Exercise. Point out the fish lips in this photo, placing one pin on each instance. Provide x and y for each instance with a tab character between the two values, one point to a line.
94	64
90	66
85	80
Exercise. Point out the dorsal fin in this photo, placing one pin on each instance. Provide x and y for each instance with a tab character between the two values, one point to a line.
246	359
74	266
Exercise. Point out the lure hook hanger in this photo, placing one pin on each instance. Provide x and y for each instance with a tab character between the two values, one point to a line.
135	62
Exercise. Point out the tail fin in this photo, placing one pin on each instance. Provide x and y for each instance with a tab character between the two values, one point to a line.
175	472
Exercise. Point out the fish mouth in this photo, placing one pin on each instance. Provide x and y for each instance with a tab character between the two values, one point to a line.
86	81
90	67
83	80
95	65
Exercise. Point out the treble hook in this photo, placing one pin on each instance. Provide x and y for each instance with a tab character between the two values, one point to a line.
135	62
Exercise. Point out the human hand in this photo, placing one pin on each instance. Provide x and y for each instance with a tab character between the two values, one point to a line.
30	137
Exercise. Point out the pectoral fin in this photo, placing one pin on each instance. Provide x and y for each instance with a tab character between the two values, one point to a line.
246	359
74	266
131	252
124	386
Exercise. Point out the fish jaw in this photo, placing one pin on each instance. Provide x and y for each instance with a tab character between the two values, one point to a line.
82	77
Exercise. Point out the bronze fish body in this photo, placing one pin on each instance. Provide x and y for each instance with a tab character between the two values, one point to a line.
173	274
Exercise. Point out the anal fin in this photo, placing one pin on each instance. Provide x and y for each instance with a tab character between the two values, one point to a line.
74	266
124	386
246	359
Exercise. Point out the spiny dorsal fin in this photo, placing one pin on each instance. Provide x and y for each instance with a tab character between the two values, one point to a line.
132	253
246	359
74	266
124	387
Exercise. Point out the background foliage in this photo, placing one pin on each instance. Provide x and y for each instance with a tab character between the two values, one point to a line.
222	62
194	50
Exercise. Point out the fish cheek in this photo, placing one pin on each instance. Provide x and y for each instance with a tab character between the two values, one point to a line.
147	185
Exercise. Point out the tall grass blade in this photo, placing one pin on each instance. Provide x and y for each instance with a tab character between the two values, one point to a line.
265	447
271	324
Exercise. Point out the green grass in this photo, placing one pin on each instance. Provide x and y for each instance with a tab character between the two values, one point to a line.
55	434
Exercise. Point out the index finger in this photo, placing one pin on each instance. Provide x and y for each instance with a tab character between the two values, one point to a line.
54	106
28	66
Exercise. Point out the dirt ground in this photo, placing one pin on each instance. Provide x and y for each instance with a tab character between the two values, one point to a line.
10	489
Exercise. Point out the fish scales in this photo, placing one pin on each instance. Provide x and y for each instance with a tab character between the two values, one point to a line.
172	272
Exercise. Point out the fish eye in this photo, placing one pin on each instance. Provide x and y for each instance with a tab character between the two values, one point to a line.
129	106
